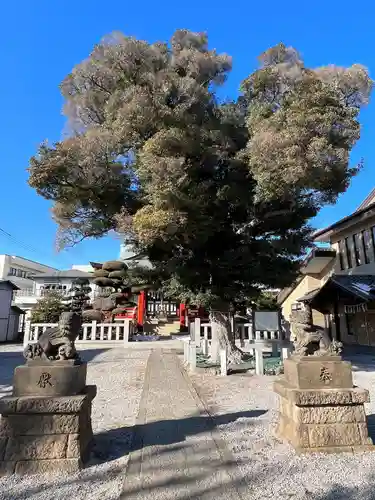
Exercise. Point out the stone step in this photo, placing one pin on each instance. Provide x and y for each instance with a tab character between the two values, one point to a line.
167	329
164	328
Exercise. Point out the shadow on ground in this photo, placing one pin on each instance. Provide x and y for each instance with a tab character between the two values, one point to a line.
362	358
337	492
166	483
115	443
371	426
171	436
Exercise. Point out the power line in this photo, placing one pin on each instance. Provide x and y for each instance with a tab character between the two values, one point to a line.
23	245
34	250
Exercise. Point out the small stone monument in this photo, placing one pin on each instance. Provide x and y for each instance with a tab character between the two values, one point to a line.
320	409
46	424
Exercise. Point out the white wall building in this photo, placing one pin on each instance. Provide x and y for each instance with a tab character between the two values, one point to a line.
21	271
61	281
86	268
9	315
128	254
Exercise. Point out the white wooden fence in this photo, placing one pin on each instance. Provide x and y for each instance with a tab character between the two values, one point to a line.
90	332
257	342
244	333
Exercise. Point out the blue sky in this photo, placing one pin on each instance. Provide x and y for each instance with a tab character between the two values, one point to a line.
44	39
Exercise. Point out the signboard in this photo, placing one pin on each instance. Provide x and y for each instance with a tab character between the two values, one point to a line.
266	321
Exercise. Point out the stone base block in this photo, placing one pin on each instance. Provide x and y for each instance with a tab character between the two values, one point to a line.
318	372
30	467
45	434
60	378
326	420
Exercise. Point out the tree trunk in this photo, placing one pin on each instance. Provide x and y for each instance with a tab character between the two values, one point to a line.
221	330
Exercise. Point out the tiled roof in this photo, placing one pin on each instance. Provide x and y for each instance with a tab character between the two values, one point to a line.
367	201
11	284
361	286
17	309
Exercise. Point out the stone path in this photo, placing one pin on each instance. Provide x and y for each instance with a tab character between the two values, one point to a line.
177	453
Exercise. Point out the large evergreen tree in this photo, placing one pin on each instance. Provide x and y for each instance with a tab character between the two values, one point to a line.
219	194
48	308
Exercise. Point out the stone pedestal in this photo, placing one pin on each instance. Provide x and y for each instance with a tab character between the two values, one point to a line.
46	425
57	378
320	410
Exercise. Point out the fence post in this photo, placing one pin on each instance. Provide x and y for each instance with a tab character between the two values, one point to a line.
126	331
223	363
205	341
215	346
26	334
186	353
197	332
259	367
242	335
251	332
232	325
192	356
285	353
275	349
93	330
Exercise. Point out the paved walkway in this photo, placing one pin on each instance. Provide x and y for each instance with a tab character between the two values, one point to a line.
176	451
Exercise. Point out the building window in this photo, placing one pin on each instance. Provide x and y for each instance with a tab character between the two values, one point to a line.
357	242
12	271
342	255
367	244
21	274
349	251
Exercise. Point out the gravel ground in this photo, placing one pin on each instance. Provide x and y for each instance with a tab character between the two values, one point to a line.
247	406
119	376
271	469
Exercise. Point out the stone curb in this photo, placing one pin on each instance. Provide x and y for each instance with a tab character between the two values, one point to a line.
219	442
134	465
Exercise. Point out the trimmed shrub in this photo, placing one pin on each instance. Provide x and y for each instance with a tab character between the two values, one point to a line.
92	315
117	274
101	273
103	282
114	265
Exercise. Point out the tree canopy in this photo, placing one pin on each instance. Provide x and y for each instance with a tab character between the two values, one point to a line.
219	194
48	308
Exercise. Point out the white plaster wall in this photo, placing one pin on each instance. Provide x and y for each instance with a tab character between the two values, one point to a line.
4	266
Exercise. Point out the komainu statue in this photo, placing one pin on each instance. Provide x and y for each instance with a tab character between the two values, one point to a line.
57	343
311	340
